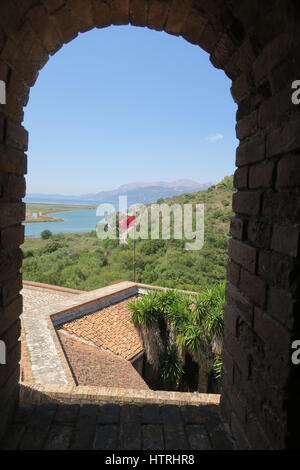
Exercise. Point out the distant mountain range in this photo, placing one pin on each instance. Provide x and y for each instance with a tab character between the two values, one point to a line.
137	193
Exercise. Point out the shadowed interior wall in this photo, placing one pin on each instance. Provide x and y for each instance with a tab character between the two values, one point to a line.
257	45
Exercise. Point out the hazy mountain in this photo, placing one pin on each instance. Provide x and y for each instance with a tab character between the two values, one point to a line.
137	193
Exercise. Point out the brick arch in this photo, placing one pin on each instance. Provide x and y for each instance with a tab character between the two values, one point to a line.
256	46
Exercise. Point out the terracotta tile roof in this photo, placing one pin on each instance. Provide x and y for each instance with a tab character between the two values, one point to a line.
110	328
93	366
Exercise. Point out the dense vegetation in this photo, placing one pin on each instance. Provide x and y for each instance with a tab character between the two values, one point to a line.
84	262
172	324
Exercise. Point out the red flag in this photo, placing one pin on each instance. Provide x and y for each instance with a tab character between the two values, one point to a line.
127	223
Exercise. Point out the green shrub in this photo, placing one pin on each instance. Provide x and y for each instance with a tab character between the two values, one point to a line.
46	234
171	370
145	310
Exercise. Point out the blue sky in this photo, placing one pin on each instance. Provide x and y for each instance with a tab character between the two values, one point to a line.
127	104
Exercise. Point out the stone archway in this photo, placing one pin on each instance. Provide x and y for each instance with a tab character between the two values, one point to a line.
256	45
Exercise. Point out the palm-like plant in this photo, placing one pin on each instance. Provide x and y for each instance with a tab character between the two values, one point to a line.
217	366
145	310
190	337
196	324
171	370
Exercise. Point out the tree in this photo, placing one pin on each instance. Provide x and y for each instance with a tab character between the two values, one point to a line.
46	234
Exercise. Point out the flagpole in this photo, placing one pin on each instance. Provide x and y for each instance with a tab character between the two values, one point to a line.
133	258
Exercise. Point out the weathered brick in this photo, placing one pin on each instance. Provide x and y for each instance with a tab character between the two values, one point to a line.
12	358
246	202
238	301
67	414
275	268
259	232
256	435
175	437
65	23
10	314
14	186
106	438
102	13
38	427
18	90
82	13
222	52
271	56
228	366
240	180
272	110
86	427
11	289
241	61
237	228
10	390
12	335
251	152
231	319
209	38
233	272
288	171
239	433
21	63
281	206
157	14
284	139
30	47
2	127
53	5
247	126
178	13
130	428
286	240
245	108
16	136
237	400
243	254
236	351
240	87
194	27
10	264
281	306
275	337
45	28
152	437
253	287
11	213
12	237
138	11
150	414
109	414
261	175
279	74
119	11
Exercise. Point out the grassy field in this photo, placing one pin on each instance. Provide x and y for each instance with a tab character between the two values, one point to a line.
84	262
42	211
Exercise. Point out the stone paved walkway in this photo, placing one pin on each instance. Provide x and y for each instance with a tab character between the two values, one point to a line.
45	362
116	427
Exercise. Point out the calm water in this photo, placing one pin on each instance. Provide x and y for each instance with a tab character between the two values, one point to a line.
74	221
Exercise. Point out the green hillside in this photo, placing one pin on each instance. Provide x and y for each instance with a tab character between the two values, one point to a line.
84	262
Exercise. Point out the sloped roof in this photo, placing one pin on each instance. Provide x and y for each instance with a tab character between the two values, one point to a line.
109	328
95	366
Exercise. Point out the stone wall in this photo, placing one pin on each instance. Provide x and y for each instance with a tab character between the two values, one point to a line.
256	44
